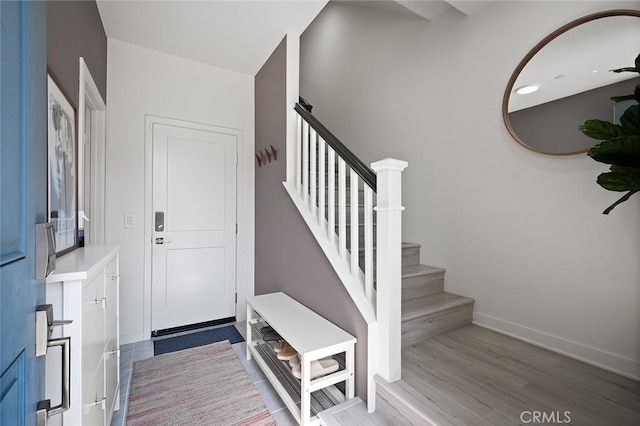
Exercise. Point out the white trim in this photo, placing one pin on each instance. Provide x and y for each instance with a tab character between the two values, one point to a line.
90	96
292	96
372	365
599	358
244	217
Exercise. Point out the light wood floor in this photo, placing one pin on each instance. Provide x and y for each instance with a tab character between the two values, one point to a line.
480	377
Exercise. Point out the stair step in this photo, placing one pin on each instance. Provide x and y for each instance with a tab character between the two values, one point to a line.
421	280
410	254
427	316
351	412
401	404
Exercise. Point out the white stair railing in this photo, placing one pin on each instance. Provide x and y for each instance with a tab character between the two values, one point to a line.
335	193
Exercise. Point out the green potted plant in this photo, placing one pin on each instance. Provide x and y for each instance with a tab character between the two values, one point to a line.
619	146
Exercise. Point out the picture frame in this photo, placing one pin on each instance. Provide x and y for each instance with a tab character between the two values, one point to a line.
62	168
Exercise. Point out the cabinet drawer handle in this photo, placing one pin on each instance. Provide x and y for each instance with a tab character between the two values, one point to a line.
102	302
101	402
114	352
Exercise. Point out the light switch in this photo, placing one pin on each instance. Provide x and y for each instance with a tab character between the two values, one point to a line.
129	221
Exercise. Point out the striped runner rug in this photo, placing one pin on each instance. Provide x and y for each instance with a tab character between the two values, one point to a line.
206	385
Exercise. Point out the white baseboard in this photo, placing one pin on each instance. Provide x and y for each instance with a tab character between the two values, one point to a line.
599	358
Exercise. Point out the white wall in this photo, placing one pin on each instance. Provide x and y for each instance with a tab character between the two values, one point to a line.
143	82
520	232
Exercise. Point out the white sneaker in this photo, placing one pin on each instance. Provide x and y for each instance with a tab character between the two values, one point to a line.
280	346
319	368
294	361
287	354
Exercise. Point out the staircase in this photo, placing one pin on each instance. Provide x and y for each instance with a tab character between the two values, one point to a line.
402	301
427	311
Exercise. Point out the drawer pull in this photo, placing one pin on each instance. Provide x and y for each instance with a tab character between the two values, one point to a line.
114	352
102	403
102	302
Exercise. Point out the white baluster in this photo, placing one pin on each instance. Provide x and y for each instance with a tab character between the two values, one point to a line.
322	175
331	189
342	209
313	138
297	153
368	243
389	265
355	226
305	162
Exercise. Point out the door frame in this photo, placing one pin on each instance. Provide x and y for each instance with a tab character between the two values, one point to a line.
89	96
244	202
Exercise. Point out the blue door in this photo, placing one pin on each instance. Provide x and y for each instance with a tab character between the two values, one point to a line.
23	76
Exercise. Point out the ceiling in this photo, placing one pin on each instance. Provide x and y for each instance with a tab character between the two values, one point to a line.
427	9
240	35
237	35
234	35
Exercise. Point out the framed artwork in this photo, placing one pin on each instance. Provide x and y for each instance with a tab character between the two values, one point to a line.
62	168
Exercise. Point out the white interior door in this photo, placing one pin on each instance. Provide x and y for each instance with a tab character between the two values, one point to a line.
194	226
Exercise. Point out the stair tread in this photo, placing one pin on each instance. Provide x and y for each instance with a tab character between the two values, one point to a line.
416	270
421	409
431	304
404	246
411	245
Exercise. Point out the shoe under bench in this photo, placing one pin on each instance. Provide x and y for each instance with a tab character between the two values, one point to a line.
314	338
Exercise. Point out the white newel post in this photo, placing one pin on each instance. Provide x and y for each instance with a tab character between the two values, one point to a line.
389	265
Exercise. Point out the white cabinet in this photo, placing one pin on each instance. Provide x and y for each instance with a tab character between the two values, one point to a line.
314	338
84	288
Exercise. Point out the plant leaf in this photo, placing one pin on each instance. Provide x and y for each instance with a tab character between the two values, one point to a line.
622	98
619	181
625	69
621	151
637	93
630	120
600	129
625	170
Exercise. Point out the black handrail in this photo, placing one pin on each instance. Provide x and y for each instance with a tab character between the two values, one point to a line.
306	105
367	175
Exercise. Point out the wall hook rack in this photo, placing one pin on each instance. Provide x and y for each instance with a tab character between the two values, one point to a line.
265	156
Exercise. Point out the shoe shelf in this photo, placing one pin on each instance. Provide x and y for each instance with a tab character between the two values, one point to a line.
320	400
313	338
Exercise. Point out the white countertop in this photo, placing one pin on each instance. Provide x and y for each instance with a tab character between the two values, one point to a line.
82	262
305	330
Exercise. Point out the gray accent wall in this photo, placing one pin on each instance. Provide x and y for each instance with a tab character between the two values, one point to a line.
74	30
287	256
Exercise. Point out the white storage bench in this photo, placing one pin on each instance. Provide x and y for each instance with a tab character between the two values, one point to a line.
314	338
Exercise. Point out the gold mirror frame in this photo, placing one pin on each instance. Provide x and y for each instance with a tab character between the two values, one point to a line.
514	76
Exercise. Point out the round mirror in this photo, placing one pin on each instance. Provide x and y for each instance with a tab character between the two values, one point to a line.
565	80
